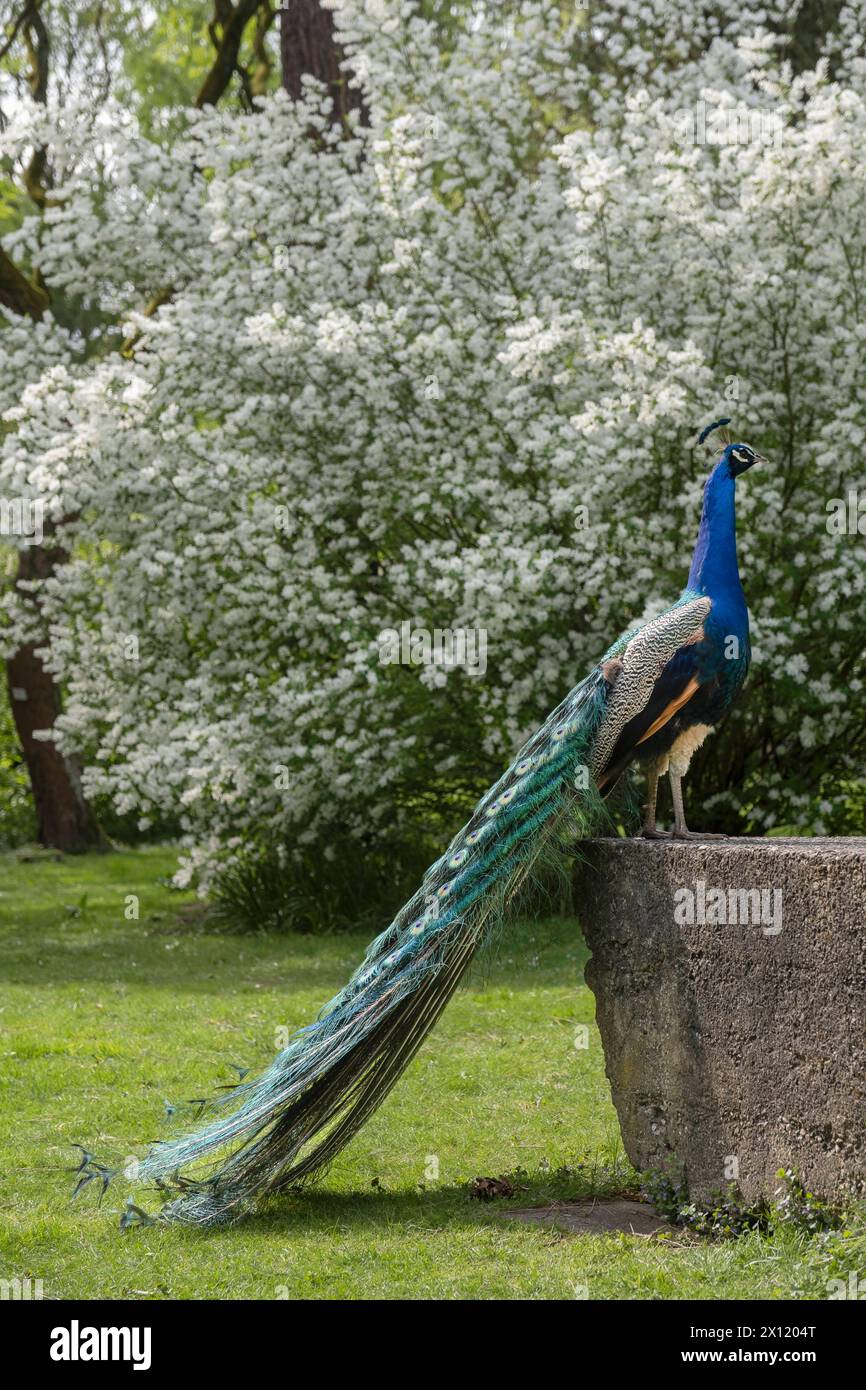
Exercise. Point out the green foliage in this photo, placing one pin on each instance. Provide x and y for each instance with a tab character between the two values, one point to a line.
728	1215
837	808
836	1261
347	886
724	1218
123	828
14	203
795	1206
848	813
166	66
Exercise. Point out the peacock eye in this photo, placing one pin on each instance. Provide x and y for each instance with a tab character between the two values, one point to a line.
740	455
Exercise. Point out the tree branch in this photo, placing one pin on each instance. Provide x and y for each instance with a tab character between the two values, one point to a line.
13	32
226	31
265	16
38	52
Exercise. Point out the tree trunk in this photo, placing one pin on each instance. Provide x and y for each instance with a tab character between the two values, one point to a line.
308	48
63	818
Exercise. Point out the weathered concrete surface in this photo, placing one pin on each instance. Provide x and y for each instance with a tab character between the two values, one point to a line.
733	1049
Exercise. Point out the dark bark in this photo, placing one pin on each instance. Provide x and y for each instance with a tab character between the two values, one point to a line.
24	297
63	818
226	31
38	54
308	48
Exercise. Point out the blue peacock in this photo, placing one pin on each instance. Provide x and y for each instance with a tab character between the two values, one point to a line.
652	699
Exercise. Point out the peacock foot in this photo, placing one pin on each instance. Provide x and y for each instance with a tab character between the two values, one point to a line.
698	835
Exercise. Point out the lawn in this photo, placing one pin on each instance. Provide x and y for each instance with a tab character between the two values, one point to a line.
107	1020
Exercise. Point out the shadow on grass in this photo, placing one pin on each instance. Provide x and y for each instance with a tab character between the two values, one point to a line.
316	1210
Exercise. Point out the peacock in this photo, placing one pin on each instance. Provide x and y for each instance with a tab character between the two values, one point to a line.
651	700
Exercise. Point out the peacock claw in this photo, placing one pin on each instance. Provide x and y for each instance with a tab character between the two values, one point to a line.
697	835
650	833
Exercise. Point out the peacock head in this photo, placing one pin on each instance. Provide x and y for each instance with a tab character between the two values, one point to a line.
735	458
739	457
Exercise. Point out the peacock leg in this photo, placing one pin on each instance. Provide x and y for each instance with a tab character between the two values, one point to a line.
681	830
648	829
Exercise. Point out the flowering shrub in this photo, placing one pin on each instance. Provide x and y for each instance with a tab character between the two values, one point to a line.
447	369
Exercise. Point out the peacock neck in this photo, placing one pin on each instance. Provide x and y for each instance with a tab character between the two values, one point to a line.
714	568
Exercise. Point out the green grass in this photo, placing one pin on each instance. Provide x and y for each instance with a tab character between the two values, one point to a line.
104	1019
